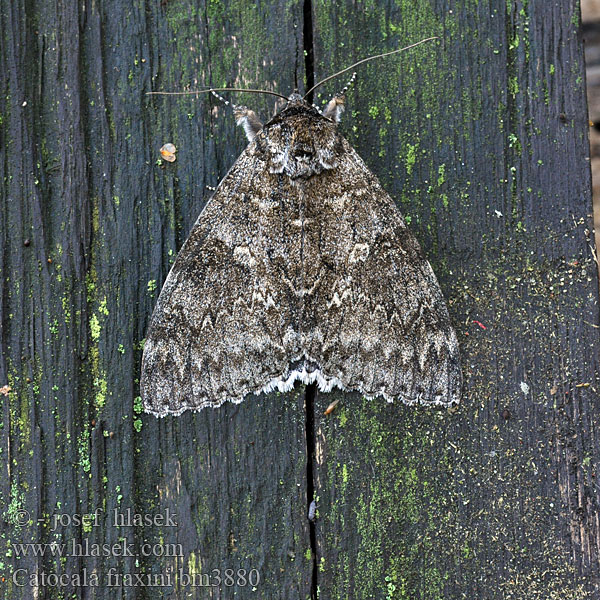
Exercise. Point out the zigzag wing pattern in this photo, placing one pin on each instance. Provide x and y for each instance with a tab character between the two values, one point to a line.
377	321
299	268
225	320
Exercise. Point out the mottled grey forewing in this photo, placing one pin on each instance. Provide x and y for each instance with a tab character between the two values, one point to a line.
376	321
224	323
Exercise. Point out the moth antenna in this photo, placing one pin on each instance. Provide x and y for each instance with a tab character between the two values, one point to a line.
347	86
243	116
364	60
219	97
220	89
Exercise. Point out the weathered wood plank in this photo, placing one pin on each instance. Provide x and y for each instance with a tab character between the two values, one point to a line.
482	141
104	217
236	479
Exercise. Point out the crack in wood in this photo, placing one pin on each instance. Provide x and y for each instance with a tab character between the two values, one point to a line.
309	50
310	396
310	390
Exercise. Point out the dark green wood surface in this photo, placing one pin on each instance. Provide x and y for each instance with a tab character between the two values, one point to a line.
481	138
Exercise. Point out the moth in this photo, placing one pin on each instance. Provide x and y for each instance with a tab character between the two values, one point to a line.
299	268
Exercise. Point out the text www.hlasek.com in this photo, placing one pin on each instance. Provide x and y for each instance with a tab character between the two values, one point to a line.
85	548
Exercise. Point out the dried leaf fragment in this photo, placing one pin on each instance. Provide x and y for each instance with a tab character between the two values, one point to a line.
330	408
168	152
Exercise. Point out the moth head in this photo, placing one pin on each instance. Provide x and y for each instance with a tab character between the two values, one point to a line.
302	140
252	125
299	141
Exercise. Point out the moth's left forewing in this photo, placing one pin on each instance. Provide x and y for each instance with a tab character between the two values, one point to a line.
218	331
378	319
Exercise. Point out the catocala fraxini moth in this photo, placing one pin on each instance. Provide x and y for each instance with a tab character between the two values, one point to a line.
299	268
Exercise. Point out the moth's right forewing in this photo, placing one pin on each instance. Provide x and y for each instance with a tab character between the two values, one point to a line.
377	321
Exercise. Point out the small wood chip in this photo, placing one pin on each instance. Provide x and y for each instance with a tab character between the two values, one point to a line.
331	407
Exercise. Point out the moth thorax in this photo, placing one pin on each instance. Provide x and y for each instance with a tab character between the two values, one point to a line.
294	149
